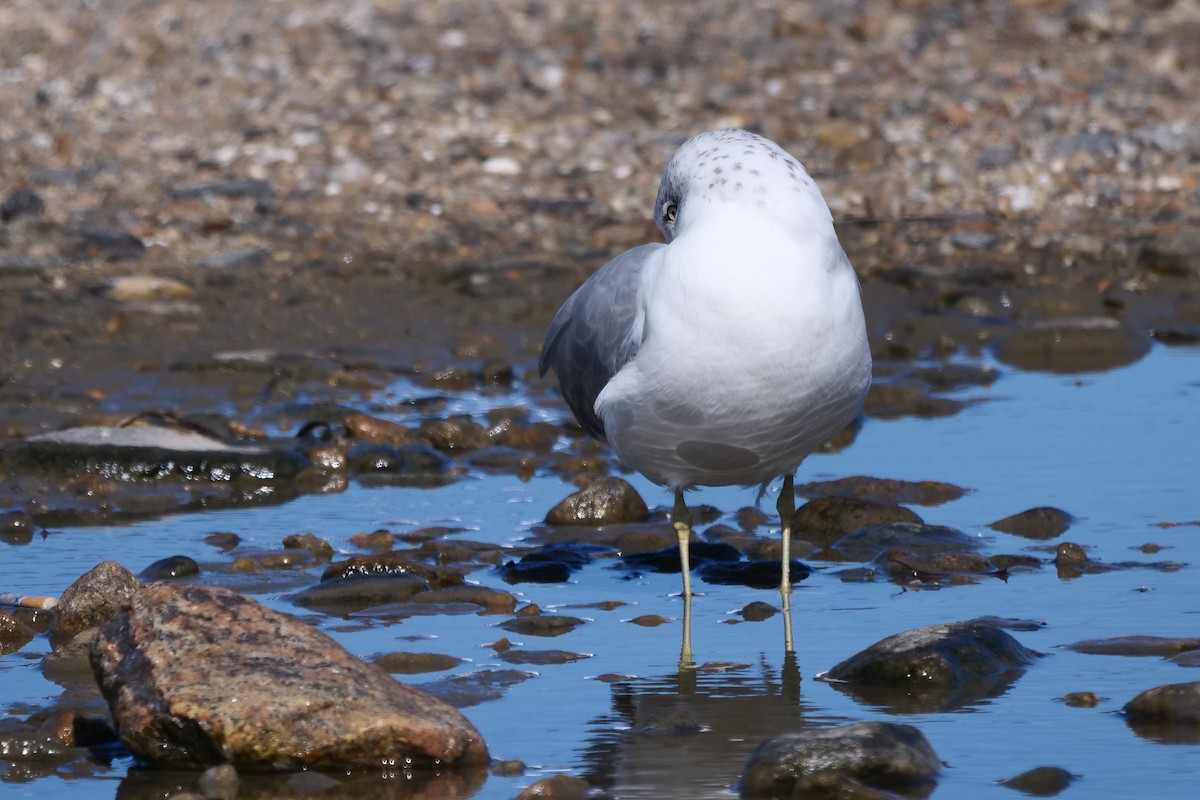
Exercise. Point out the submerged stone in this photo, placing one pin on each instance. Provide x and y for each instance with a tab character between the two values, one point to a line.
880	754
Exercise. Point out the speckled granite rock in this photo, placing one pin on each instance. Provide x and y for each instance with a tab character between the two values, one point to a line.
199	675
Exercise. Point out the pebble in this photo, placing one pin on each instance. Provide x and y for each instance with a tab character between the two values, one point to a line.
605	501
171	568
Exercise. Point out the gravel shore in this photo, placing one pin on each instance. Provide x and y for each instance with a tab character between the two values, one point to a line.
291	174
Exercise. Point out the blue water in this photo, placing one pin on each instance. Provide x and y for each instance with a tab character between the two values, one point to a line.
1119	450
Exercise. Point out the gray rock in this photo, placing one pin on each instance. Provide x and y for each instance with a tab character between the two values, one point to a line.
604	502
877	753
91	600
197	676
938	667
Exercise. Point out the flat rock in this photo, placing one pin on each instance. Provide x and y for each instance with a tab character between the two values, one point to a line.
877	753
1091	344
356	592
151	451
199	675
604	502
884	490
868	543
1043	522
1137	646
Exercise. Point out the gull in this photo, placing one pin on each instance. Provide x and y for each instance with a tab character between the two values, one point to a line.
731	352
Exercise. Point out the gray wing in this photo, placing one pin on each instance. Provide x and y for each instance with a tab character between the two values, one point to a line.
593	335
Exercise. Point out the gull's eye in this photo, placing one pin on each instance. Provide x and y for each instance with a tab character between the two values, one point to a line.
670	212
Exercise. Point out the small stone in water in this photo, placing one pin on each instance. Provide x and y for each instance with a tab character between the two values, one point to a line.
757	611
169	568
1082	699
1041	781
219	782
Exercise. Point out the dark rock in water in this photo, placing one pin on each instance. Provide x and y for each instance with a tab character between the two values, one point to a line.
321	549
667	559
541	657
356	592
14	634
219	782
416	663
1174	704
1036	523
946	567
826	519
755	574
171	567
604	502
375	457
884	490
514	572
198	675
829	785
16	527
757	611
883	754
671	721
1136	646
69	664
152	452
491	601
869	543
391	563
938	667
91	600
1041	781
1093	344
553	563
457	434
463	691
541	625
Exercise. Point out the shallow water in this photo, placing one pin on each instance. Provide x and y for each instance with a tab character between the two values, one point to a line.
1119	450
